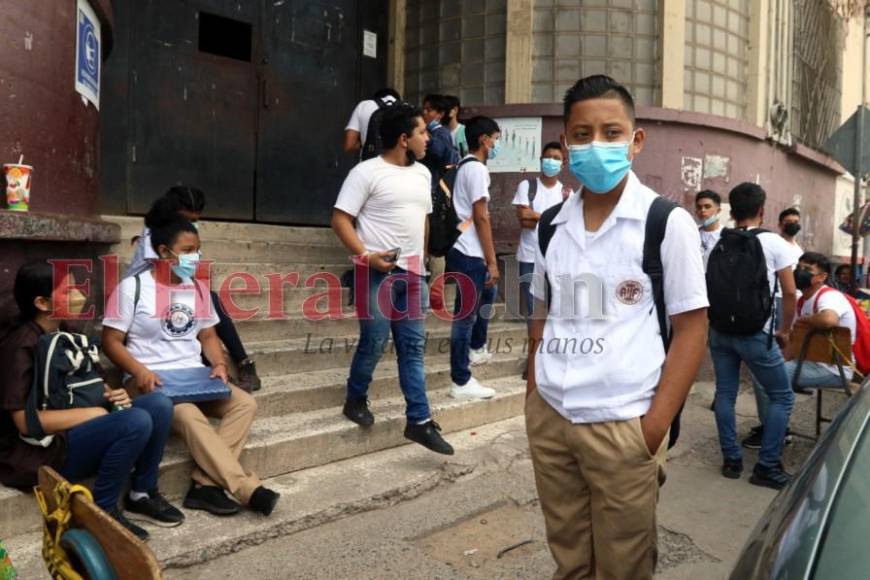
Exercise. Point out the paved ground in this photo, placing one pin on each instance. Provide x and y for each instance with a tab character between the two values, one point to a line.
487	524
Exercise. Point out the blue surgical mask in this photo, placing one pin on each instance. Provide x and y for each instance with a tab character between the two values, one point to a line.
186	266
599	166
710	220
496	147
434	124
551	167
195	225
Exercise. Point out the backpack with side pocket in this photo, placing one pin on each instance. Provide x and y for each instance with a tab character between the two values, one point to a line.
533	190
861	347
741	300
374	146
654	235
66	375
444	223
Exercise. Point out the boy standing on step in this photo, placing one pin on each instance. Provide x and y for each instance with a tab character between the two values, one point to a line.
603	390
390	198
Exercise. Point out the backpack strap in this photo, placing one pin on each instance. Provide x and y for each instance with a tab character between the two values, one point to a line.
546	229
533	189
656	225
137	292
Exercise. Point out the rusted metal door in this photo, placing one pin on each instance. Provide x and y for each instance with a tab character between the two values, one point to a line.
309	86
193	109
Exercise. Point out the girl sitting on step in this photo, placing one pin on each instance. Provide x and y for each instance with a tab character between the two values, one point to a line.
188	203
88	441
141	340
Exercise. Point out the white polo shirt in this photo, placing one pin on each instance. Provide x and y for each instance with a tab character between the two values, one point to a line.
607	369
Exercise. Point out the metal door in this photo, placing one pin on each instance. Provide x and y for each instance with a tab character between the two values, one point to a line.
193	112
311	71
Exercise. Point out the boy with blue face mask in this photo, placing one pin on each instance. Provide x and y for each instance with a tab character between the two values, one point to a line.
708	204
603	390
440	152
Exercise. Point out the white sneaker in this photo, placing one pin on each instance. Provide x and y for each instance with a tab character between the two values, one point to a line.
471	390
479	356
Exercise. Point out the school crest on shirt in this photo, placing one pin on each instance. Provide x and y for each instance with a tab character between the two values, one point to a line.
629	292
178	320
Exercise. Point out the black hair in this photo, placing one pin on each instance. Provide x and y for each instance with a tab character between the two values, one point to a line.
746	200
787	212
32	281
551	145
817	259
477	127
438	103
594	87
709	194
840	268
451	101
398	120
166	234
387	92
178	198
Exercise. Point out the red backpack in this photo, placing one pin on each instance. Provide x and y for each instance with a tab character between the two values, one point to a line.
861	348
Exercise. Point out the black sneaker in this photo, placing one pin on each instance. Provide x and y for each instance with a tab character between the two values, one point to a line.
428	436
358	412
732	468
153	509
263	500
248	379
772	477
753	441
210	498
131	527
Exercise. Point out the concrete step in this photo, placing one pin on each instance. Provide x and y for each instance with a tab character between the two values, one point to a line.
313	352
315	497
218	230
320	389
288	443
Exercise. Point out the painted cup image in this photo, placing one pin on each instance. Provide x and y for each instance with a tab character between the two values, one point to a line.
17	186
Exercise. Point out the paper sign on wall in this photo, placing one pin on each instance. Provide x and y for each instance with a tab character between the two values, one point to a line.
88	53
370	44
520	146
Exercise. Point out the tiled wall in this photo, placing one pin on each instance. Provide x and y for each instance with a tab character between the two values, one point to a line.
456	47
717	34
575	38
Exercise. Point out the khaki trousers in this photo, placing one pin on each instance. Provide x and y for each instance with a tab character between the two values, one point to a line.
598	486
216	451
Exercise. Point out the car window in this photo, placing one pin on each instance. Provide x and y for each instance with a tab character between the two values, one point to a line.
844	552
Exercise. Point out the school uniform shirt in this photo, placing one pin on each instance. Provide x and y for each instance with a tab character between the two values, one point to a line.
472	185
390	204
20	461
778	254
795	252
545	198
833	300
605	365
362	113
166	339
708	242
460	141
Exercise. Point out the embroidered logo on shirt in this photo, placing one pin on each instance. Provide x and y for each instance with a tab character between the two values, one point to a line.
178	320
629	292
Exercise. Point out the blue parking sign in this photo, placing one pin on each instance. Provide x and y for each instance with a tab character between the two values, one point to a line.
88	53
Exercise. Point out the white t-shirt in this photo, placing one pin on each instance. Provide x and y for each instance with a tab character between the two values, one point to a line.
778	254
142	253
390	204
472	184
545	198
362	113
708	242
167	340
605	366
833	300
795	251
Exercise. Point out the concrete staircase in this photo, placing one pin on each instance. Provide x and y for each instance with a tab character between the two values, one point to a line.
304	365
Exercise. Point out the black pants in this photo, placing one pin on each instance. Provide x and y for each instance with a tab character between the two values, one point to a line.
227	332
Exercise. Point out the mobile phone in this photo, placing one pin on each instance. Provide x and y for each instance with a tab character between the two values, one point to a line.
394	257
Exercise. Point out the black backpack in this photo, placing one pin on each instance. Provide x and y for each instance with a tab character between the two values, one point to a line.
741	300
373	145
66	375
444	223
654	235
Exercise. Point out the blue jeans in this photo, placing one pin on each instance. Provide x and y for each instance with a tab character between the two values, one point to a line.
728	351
813	375
527	269
469	328
111	445
409	337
